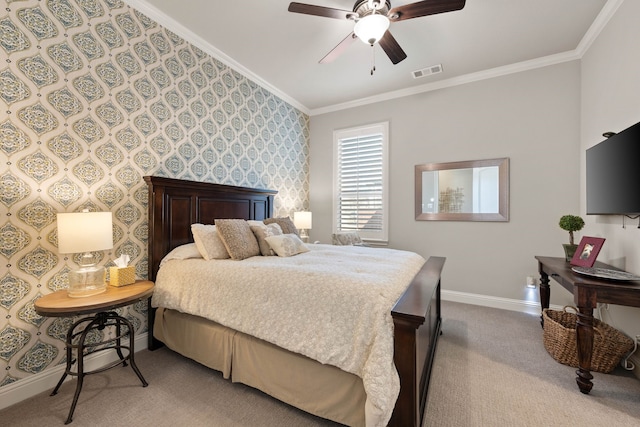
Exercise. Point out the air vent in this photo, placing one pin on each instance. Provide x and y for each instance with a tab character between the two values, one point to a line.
434	69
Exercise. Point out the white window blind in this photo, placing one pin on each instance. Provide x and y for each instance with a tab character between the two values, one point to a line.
361	181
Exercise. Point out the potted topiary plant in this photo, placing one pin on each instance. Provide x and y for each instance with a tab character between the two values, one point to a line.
570	223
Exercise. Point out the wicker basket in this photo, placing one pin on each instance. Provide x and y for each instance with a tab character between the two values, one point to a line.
609	344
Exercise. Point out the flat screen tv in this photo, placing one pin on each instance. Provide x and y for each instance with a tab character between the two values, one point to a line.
613	174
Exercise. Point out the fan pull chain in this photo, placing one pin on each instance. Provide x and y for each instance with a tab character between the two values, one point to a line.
373	59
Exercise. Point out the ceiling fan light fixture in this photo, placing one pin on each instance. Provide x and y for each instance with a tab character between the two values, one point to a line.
371	28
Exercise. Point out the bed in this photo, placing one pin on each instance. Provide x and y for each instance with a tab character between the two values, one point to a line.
286	375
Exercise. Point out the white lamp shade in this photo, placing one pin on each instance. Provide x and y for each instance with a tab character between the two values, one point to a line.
302	220
80	232
371	28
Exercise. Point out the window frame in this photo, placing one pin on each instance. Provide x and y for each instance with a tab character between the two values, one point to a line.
373	236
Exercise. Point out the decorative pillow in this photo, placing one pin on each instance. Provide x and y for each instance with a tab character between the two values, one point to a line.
346	239
263	231
285	223
287	245
238	238
190	250
208	242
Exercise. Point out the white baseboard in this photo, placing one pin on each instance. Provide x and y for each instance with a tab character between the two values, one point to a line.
531	307
47	380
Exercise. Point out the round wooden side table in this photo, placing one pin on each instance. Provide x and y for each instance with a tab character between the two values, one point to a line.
101	306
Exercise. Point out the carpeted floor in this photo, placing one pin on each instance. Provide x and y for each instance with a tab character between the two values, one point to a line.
181	392
491	369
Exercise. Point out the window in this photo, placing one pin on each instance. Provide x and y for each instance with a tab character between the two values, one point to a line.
361	183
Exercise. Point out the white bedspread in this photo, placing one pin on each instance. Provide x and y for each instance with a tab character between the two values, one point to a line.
331	304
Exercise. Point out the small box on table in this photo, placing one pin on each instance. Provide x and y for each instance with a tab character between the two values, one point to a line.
122	276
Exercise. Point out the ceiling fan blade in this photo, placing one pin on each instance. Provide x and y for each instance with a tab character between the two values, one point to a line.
328	12
424	8
391	47
337	51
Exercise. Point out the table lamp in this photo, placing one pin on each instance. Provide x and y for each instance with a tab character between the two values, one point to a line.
85	232
302	221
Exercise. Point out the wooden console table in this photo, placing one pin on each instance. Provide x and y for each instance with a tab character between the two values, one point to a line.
587	293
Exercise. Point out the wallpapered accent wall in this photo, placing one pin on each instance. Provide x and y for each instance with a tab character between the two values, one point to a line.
94	95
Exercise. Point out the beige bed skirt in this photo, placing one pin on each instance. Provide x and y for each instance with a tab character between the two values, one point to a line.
322	390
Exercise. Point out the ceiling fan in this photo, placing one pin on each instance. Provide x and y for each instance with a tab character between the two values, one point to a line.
372	19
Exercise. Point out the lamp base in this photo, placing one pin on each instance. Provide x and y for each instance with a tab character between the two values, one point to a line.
87	281
304	235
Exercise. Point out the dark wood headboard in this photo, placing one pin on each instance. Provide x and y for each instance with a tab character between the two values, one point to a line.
175	204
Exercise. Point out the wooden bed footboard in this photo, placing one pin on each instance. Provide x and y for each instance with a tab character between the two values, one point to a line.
175	204
417	319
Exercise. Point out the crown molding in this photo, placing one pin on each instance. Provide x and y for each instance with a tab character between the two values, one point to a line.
601	21
454	81
174	26
607	12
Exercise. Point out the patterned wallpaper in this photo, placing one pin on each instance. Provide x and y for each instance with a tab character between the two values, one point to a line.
93	96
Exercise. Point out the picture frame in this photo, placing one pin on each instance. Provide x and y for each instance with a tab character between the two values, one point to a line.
587	251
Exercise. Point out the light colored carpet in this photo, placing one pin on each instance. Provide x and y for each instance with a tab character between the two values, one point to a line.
181	392
491	369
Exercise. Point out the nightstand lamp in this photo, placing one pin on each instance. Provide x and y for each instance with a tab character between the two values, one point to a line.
85	232
302	221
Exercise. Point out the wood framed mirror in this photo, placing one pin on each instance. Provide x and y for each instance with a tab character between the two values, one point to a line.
475	190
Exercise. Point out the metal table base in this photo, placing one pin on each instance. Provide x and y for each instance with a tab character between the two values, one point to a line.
97	322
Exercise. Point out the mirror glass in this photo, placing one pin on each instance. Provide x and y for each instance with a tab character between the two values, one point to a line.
476	190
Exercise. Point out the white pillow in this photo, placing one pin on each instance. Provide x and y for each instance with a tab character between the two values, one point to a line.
190	250
208	242
286	244
261	232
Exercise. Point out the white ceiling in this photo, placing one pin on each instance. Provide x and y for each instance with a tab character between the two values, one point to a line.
281	50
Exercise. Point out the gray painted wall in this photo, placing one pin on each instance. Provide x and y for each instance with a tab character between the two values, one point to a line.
544	120
611	102
531	117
